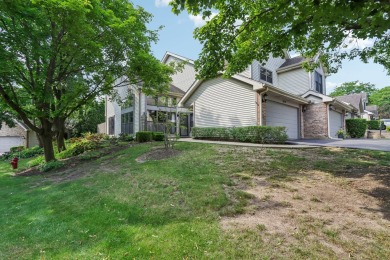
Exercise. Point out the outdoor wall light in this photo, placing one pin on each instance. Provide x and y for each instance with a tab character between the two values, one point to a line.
264	98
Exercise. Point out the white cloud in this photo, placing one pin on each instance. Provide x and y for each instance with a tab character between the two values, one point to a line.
198	20
351	42
330	86
162	3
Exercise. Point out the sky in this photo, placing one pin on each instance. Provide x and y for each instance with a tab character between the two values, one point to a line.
177	37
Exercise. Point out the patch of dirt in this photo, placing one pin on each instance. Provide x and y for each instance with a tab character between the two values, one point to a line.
315	203
73	168
158	154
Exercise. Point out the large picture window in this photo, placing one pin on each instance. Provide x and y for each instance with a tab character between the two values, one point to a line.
127	123
318	82
266	75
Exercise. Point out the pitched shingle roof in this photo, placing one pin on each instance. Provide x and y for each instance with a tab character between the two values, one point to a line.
292	61
176	90
353	99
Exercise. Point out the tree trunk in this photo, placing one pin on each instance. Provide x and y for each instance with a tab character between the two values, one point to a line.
40	142
46	137
60	137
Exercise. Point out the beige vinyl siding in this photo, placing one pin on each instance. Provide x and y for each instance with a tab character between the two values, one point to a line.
224	102
246	73
294	81
272	64
185	78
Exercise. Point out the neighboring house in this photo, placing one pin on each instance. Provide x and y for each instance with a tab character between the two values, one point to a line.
359	102
374	110
138	112
277	93
20	135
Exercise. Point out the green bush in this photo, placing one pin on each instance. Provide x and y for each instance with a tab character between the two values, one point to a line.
387	128
144	136
45	167
126	137
158	136
252	134
31	152
356	127
37	161
374	125
16	149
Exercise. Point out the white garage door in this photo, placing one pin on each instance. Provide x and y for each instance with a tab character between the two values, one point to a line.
6	142
335	122
282	115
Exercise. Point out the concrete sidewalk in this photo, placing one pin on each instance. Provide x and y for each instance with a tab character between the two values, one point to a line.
280	146
368	144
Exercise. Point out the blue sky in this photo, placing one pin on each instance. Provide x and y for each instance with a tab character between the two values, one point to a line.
177	37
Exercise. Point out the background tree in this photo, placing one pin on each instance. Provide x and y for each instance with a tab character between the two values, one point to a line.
86	118
65	53
381	98
245	30
354	87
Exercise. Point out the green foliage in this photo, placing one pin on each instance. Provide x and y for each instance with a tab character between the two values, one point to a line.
48	166
58	55
354	87
144	136
158	136
356	127
87	118
374	125
37	161
126	137
381	97
252	134
16	149
242	31
387	128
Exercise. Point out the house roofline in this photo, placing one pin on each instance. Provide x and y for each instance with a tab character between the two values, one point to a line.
167	54
256	87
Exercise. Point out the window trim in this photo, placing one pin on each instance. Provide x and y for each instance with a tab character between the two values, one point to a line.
318	82
268	78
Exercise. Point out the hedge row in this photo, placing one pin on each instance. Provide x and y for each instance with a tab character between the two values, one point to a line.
251	134
356	127
374	125
146	136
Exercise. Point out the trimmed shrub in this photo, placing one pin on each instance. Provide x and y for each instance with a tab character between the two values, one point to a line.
126	137
31	152
48	166
16	149
158	136
356	127
144	136
374	125
252	134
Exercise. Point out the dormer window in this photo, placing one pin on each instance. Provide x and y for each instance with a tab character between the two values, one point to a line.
266	75
318	82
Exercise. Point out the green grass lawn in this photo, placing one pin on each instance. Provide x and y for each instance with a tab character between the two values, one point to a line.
117	208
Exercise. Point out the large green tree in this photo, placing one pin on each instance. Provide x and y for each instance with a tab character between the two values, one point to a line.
244	30
354	87
381	98
65	53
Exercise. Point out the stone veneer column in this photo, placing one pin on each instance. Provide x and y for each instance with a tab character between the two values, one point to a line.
315	121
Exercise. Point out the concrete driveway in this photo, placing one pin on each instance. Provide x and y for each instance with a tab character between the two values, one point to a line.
369	144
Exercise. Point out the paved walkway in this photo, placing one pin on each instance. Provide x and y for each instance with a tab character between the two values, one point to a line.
282	146
369	144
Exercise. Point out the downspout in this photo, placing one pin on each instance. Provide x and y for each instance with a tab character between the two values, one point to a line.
260	93
139	109
327	110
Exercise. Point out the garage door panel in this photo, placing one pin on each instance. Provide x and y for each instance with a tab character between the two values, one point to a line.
6	142
335	122
283	115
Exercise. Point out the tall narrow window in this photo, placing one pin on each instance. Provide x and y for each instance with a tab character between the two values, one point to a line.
111	125
127	121
318	82
266	75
